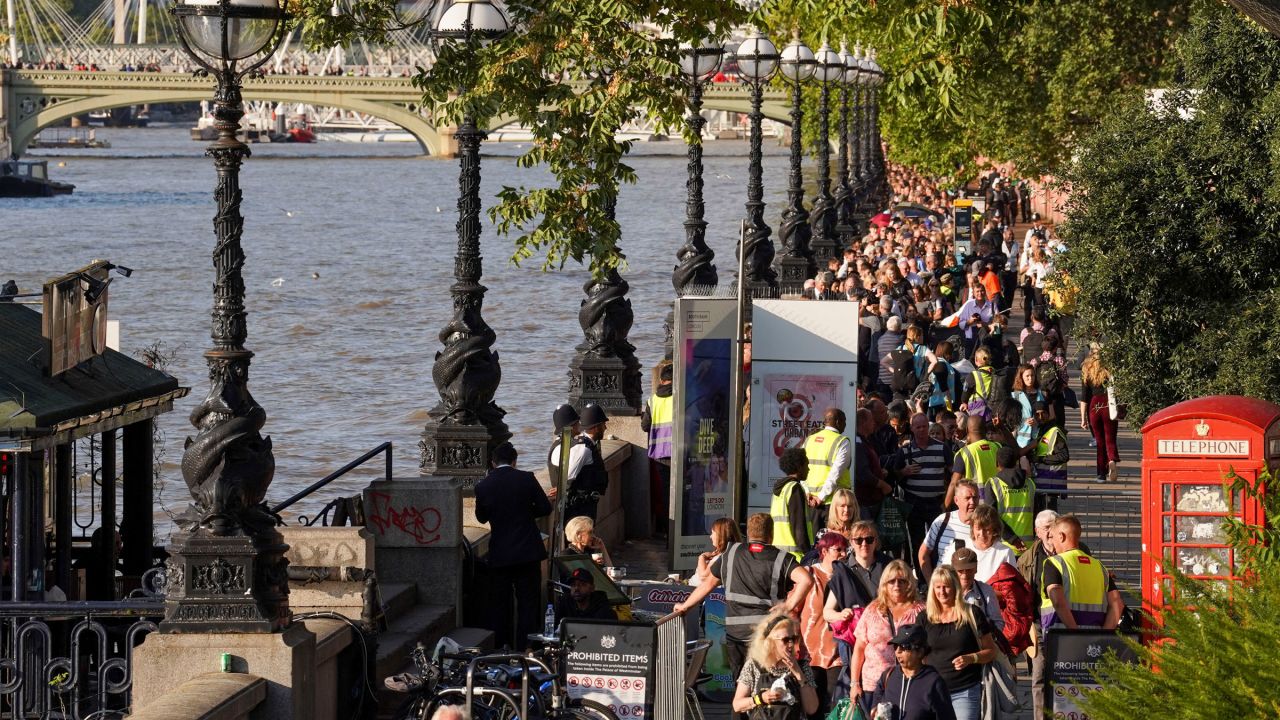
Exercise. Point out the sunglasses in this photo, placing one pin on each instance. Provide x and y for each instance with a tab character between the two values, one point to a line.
788	639
910	648
863	540
898	581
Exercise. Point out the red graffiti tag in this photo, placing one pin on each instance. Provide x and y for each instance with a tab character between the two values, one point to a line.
422	524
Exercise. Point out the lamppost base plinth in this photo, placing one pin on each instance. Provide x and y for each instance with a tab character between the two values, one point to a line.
454	450
236	584
613	383
792	272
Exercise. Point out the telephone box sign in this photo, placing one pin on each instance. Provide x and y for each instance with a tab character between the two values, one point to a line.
1203	448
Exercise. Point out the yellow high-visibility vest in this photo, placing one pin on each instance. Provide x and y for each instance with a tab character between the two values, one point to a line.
820	448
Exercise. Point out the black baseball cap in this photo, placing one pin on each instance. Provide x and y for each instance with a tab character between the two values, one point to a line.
912	636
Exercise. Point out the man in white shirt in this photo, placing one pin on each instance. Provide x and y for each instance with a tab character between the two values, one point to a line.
949	527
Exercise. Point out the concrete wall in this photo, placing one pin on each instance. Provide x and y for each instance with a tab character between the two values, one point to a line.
209	696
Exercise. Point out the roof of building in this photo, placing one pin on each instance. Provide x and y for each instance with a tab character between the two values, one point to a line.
31	403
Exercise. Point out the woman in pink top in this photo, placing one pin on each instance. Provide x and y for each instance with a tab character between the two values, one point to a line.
896	604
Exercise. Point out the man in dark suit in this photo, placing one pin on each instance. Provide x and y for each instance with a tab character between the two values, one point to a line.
510	500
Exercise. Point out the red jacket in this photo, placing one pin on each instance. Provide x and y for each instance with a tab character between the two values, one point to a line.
1014	593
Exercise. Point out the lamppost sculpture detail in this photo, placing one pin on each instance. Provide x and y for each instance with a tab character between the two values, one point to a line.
844	193
822	218
227	570
466	423
694	266
796	263
857	172
757	61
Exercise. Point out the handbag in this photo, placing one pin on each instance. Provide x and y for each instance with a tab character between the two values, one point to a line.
892	521
999	685
846	709
843	629
1115	409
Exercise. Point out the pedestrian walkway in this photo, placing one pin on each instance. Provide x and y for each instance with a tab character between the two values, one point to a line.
1109	511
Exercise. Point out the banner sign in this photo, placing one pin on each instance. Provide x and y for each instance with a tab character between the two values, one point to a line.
788	403
702	464
963	227
804	361
1072	657
612	664
721	686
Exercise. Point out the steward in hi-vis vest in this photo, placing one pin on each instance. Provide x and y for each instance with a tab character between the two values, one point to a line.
788	506
1013	497
1078	590
975	461
829	454
1050	463
658	418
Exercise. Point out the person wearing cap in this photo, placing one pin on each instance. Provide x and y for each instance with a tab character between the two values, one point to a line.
976	592
915	690
564	417
584	600
510	500
657	419
587	477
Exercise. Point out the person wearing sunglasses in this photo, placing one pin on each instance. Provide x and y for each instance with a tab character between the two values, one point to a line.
914	690
853	586
897	604
776	682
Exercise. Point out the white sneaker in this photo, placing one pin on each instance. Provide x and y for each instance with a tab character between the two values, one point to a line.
1093	443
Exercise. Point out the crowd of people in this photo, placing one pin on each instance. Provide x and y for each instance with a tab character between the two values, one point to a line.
915	559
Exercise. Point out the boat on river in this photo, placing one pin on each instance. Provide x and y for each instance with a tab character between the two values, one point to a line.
29	178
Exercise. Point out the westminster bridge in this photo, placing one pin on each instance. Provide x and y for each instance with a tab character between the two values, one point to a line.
34	99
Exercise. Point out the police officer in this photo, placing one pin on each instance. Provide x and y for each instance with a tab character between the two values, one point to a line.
757	578
829	457
587	476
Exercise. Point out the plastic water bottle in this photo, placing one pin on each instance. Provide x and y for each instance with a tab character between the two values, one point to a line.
549	625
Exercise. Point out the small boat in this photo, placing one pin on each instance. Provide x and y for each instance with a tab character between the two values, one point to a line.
68	138
29	178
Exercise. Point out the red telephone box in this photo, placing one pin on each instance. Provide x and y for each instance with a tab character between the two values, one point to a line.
1187	450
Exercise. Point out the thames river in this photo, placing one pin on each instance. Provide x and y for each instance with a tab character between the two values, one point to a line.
343	361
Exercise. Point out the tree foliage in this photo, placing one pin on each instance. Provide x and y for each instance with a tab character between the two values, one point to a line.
1221	654
573	72
1174	226
1008	80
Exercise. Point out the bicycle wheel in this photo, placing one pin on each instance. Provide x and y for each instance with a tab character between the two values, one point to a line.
584	709
414	708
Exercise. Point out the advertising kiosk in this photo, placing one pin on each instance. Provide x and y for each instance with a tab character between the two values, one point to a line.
1188	449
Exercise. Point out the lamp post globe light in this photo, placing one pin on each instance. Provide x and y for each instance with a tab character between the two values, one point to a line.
796	264
228	550
844	193
822	218
757	62
698	63
466	423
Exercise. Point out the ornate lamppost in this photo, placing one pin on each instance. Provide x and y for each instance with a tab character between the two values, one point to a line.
796	264
822	217
227	570
757	62
844	193
694	267
862	166
466	423
877	151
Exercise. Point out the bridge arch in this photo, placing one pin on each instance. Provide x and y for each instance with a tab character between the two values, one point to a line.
38	99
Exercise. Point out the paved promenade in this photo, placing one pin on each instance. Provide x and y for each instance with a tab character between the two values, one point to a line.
1110	513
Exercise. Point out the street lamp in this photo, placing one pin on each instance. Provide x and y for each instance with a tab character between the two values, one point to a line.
697	65
757	62
877	152
830	69
857	170
844	194
466	423
229	551
796	264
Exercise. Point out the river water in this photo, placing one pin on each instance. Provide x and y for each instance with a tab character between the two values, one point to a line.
343	362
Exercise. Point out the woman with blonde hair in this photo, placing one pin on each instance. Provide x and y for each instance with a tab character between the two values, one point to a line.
896	604
1095	415
844	512
961	642
775	655
580	539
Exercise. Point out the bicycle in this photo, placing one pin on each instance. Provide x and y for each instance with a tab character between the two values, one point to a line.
440	680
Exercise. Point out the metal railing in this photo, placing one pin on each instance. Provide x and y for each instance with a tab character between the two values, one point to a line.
669	670
1112	521
324	513
81	667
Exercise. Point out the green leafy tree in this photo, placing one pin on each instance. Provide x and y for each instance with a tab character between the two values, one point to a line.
1016	80
1221	653
574	73
1174	226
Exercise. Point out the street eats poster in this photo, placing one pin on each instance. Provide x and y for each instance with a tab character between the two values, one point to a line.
787	406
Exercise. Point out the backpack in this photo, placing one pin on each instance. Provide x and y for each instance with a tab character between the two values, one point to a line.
1032	346
1050	380
902	370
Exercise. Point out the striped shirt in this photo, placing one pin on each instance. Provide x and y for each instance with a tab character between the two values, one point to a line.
931	481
